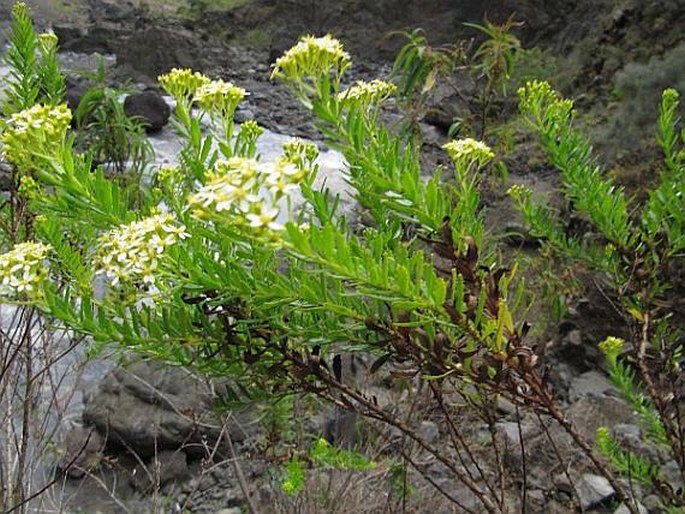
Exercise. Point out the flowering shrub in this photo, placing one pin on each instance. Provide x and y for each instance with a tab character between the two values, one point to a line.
245	286
636	255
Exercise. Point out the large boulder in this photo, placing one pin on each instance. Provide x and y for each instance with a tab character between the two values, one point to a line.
150	108
150	406
81	451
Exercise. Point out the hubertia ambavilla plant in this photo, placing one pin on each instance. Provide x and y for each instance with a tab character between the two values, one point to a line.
216	269
638	254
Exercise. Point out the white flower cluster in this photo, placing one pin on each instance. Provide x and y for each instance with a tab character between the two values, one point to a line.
367	93
33	132
219	97
47	42
247	190
22	269
131	253
465	152
182	83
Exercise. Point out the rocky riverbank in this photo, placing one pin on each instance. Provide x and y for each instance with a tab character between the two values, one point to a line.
165	446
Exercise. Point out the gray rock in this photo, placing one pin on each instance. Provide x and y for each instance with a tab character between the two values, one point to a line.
590	382
591	412
575	338
671	473
341	428
150	406
623	509
653	504
429	431
594	491
81	451
165	468
511	432
150	108
76	88
5	176
243	114
504	406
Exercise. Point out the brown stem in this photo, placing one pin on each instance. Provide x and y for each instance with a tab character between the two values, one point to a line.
675	440
372	410
20	487
571	430
555	448
457	439
524	470
437	486
239	473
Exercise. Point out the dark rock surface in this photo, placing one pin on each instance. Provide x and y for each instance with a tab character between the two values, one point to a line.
149	406
150	108
82	450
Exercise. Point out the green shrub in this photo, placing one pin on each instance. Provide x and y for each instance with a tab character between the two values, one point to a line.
212	268
108	134
635	254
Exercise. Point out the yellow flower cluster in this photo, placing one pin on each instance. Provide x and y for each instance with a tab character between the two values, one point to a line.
465	152
368	93
670	95
519	193
250	130
131	253
22	269
539	99
312	56
20	9
219	97
247	191
300	153
47	41
612	347
183	83
35	133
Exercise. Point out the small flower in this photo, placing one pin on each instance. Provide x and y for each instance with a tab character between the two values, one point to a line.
250	130
519	193
131	253
300	153
182	83
263	217
20	10
23	269
465	152
219	97
279	185
285	169
224	192
238	170
670	96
